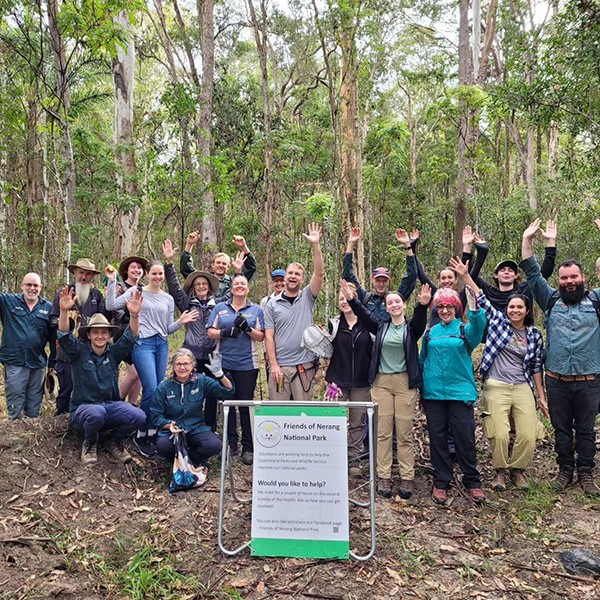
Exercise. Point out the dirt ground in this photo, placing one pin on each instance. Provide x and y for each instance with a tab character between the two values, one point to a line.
110	531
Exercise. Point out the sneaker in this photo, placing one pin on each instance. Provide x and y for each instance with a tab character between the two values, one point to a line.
89	452
144	446
384	488
588	485
439	496
116	450
247	457
405	491
518	478
477	495
562	479
499	481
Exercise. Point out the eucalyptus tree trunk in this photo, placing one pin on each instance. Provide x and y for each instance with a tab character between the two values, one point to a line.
63	160
553	150
268	213
211	232
127	213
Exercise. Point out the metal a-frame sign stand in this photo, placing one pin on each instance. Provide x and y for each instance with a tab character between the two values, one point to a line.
300	500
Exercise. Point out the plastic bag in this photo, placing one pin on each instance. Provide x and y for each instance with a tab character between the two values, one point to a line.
185	475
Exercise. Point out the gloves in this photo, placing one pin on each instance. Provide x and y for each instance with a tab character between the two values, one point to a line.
231	332
471	298
241	323
214	364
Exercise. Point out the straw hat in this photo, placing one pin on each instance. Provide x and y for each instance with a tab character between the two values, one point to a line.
84	263
213	282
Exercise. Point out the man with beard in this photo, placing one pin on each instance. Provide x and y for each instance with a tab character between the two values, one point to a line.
244	263
25	332
90	301
572	364
375	301
292	367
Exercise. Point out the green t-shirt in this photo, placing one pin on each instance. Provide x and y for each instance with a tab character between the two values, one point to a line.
393	359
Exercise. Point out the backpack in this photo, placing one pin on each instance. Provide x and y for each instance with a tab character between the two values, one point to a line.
592	296
462	335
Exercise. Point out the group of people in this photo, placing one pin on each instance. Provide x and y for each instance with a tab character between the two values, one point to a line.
376	355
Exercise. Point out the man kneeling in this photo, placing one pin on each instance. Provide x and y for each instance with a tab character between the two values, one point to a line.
95	405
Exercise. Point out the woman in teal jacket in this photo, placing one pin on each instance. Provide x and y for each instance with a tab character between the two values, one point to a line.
450	392
178	405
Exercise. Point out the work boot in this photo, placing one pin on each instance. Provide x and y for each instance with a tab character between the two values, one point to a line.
588	485
405	491
518	478
499	481
562	479
116	450
89	452
355	470
384	488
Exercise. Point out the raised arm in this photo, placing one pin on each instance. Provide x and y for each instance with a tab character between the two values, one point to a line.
409	280
66	301
527	241
249	264
186	262
550	234
462	270
348	267
361	312
134	306
419	321
314	237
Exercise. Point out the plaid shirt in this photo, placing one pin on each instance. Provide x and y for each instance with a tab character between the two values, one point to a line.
500	332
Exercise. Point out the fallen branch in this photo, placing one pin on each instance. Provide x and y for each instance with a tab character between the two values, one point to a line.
549	572
25	540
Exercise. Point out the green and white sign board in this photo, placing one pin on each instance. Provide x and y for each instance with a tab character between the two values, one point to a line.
300	482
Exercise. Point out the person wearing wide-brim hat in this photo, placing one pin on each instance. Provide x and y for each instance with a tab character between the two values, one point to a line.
95	405
132	278
90	301
83	263
131	271
197	293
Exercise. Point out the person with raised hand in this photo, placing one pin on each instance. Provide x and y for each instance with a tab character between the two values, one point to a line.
449	392
380	276
95	407
511	367
572	362
150	354
395	377
292	368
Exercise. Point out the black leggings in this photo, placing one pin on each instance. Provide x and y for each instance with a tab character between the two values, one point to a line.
245	384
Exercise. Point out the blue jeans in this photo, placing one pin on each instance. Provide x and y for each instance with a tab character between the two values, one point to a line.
201	446
24	389
121	418
150	359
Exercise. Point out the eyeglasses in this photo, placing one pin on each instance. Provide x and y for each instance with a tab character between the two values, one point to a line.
445	308
33	285
182	365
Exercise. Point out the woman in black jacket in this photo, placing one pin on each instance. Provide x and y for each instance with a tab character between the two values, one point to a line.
349	370
395	376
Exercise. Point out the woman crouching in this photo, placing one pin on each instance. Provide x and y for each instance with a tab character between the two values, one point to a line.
178	405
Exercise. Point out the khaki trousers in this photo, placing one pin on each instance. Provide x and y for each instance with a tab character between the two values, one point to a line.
395	403
297	385
501	401
356	420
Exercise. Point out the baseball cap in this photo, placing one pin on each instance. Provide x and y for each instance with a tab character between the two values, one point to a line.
511	264
381	272
278	273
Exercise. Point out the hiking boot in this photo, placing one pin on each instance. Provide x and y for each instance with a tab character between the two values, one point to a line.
405	491
439	496
116	450
518	478
588	485
247	457
499	481
477	495
89	452
562	480
144	445
384	488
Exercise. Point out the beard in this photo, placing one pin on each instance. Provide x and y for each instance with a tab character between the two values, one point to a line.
82	291
572	297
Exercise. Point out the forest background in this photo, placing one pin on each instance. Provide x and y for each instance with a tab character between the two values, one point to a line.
126	122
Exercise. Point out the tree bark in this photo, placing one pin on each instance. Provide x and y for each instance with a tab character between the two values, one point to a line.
126	217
